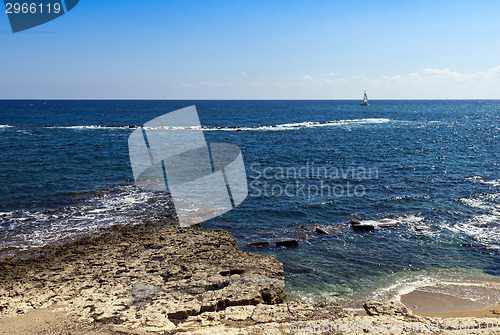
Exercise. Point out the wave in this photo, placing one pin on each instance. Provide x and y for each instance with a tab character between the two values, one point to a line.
310	124
473	286
482	228
91	127
5	126
480	180
465	287
484	225
408	220
285	126
124	204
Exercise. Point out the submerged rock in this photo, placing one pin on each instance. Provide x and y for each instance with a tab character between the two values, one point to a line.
287	243
302	235
311	227
388	225
421	228
258	244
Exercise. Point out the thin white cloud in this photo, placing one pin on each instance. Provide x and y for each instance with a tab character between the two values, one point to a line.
440	75
243	73
215	84
428	83
435	83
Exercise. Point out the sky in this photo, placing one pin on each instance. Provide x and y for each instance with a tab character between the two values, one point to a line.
163	49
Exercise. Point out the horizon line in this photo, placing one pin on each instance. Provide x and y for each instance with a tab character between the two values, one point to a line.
117	99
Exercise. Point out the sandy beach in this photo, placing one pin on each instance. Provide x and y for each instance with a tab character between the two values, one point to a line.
447	301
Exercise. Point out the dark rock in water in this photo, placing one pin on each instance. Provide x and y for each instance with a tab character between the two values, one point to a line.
239	129
322	231
311	227
480	225
390	308
258	244
338	229
295	268
359	226
287	243
335	229
388	225
363	227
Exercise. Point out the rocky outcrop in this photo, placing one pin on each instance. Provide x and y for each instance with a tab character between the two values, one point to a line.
262	319
165	280
147	277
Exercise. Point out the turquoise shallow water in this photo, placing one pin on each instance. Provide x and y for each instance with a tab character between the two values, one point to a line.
65	171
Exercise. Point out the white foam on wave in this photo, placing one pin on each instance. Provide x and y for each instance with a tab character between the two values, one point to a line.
481	180
91	127
306	124
32	229
5	126
479	229
401	287
397	220
476	203
285	126
473	286
458	286
483	227
409	197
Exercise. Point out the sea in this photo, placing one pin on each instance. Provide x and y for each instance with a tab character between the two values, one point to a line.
424	173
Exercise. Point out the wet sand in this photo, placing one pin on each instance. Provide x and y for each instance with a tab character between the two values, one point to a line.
449	301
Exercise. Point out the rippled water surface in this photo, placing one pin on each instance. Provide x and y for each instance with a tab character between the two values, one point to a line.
425	174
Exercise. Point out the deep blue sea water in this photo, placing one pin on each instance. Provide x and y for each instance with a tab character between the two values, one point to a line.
432	168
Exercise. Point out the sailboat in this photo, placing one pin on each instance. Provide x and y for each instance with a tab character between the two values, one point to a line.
365	101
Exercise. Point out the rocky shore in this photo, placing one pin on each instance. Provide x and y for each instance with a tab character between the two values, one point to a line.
157	279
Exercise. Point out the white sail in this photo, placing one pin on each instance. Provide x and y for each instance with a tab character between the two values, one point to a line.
365	100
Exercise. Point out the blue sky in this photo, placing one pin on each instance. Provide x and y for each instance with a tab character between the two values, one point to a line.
257	50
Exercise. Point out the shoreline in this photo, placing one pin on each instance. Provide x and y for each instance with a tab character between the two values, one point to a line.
448	302
157	279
